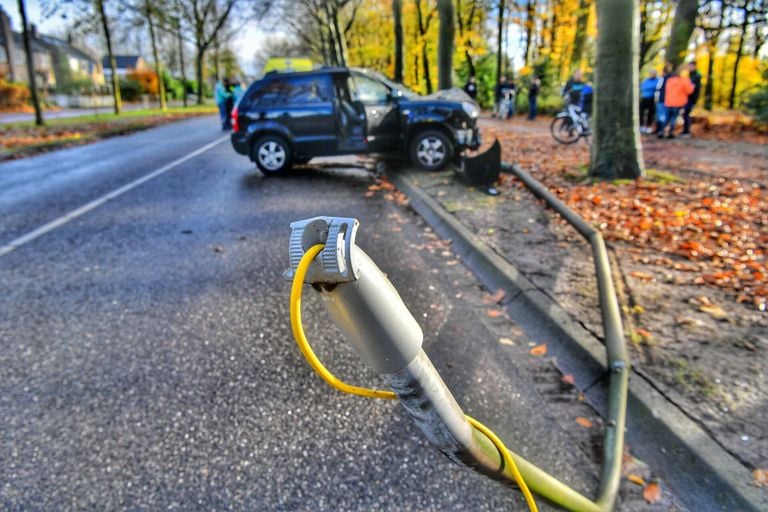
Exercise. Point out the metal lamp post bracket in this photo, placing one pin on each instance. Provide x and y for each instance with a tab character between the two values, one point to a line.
334	264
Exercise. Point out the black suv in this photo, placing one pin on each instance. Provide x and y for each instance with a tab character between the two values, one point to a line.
290	118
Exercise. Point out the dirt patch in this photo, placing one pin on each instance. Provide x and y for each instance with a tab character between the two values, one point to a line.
700	343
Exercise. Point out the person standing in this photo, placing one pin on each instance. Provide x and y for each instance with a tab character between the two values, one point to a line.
229	103
471	87
695	77
648	102
533	95
220	95
502	97
676	92
661	110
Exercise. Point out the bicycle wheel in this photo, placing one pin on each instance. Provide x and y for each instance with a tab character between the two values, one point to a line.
564	130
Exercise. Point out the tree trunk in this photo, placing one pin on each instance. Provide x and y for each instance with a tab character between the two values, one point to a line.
739	51
445	45
181	61
499	46
616	152
199	64
30	64
529	23
158	67
397	13
425	65
709	88
581	35
340	40
111	56
682	28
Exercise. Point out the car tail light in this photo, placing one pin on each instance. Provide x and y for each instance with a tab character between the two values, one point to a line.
235	122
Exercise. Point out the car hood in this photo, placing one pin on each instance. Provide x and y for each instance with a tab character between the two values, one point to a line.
453	94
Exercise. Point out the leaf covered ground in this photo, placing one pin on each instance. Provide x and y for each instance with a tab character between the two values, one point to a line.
710	211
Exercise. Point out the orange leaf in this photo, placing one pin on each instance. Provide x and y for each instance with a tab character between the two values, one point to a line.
635	479
568	379
584	422
761	477
494	313
539	350
370	193
652	493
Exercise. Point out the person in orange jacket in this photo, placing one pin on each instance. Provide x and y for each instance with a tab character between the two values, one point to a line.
676	91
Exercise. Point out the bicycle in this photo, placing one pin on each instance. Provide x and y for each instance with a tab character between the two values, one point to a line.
570	125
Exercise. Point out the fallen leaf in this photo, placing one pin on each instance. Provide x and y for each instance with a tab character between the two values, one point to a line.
645	334
584	422
370	193
652	493
761	477
539	350
643	276
568	379
495	297
714	311
635	479
494	313
506	341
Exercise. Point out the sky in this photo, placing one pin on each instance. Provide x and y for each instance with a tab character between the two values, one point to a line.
245	44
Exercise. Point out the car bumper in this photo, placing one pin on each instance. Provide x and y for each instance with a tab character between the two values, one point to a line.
467	138
240	143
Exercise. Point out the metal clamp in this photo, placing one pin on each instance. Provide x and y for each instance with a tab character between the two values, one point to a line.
334	264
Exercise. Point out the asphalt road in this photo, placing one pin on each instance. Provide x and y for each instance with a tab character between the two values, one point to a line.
146	360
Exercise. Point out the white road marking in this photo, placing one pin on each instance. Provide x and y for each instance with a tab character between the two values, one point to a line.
68	217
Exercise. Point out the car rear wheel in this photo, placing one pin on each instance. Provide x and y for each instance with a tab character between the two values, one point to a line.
271	154
431	150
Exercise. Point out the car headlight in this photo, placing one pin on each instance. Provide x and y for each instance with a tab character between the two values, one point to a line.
471	109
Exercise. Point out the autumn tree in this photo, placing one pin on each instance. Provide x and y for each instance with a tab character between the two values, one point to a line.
424	18
616	152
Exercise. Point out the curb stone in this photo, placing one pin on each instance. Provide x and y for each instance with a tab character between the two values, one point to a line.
698	470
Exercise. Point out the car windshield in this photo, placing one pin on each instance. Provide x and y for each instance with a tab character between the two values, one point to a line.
400	88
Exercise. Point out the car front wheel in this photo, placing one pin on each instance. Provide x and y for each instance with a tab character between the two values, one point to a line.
431	150
272	154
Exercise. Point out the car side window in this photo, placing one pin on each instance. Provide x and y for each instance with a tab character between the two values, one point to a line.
308	90
302	90
367	90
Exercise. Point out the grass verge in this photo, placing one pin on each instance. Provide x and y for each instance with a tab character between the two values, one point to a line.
24	139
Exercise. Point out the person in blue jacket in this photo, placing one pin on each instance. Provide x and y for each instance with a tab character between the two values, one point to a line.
648	102
223	96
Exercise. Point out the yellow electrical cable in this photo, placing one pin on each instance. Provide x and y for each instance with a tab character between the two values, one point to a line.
298	332
508	460
301	339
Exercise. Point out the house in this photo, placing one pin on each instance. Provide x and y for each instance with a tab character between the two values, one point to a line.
56	62
126	64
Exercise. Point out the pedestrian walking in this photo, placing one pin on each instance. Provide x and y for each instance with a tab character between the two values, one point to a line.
695	77
648	102
471	87
661	110
676	92
229	103
533	95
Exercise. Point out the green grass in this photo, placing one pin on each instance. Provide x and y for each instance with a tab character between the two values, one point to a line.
105	117
658	176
